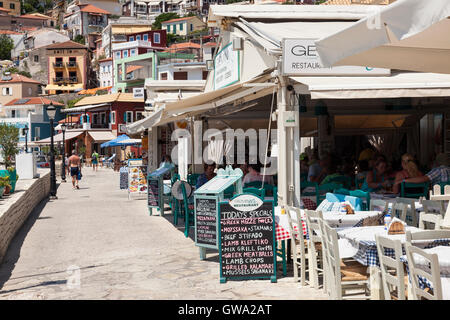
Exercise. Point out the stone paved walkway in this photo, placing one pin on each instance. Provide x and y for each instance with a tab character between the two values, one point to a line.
117	251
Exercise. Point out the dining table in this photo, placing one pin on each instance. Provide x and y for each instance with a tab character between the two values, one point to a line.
362	241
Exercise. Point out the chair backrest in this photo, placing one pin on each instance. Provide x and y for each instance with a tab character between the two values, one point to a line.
333	260
433	206
343	191
257	192
445	186
426	218
391	282
427	235
411	204
364	196
325	188
253	184
185	199
312	225
345	181
296	227
414	255
192	178
378	204
399	210
420	190
354	201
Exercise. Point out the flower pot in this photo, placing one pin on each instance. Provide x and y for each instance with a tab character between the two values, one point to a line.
7	190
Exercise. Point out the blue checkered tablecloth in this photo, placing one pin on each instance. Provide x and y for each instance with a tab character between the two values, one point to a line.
367	249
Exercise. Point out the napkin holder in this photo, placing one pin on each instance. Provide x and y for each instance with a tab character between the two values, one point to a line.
396	227
349	209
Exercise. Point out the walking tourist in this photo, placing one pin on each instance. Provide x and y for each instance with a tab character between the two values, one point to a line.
95	157
75	168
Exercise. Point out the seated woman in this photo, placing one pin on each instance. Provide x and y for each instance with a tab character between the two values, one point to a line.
410	170
331	173
255	175
376	179
207	175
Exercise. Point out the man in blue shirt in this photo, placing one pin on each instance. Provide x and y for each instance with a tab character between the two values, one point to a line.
207	175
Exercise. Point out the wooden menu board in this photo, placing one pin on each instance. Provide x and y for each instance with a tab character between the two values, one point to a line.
247	239
206	221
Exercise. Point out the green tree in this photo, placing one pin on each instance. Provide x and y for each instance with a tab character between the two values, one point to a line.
9	141
6	45
80	39
163	17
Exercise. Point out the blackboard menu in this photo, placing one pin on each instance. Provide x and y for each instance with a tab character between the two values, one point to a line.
206	221
153	193
247	242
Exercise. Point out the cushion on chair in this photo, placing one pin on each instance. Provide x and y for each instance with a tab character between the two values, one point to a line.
353	271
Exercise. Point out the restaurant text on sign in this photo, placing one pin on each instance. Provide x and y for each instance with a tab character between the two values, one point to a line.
226	67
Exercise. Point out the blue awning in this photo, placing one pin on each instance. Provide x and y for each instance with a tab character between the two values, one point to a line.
111	142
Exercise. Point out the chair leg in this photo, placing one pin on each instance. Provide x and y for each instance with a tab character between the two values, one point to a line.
294	262
283	252
313	272
186	225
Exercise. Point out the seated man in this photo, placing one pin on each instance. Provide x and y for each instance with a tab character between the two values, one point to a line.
439	174
207	175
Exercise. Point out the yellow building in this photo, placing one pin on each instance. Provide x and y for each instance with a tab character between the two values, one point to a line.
68	67
183	26
12	5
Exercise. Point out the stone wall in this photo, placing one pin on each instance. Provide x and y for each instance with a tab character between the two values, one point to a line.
15	209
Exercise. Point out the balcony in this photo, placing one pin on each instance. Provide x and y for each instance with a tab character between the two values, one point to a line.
132	44
71	64
58	65
61	80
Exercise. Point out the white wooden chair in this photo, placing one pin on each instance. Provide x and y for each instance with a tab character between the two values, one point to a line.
411	205
433	206
426	235
315	248
378	203
399	210
341	276
298	249
426	218
392	269
433	275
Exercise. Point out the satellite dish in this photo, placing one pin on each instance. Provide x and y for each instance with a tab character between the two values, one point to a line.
177	193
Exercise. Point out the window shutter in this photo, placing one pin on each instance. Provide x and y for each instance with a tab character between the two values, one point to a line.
125	117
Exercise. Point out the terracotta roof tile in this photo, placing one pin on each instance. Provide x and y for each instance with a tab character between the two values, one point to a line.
34	100
184	45
92	9
66	45
178	19
19	78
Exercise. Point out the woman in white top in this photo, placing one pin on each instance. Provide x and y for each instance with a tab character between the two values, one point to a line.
255	175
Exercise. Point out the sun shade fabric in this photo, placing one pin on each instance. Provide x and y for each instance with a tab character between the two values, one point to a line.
59	137
398	85
406	35
145	123
102	136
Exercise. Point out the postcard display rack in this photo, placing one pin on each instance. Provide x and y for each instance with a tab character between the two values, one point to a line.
206	205
137	181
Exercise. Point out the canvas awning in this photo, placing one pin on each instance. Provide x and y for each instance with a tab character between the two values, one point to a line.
398	85
145	123
64	88
406	35
97	107
101	136
69	135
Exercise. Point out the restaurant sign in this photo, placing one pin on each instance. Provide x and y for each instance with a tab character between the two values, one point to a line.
226	67
300	57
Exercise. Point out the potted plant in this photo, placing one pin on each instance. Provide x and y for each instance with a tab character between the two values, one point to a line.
4	186
13	177
9	140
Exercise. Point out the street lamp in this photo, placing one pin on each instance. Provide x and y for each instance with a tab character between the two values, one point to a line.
51	112
25	132
63	166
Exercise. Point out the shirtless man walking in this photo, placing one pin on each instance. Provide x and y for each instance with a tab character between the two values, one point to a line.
75	167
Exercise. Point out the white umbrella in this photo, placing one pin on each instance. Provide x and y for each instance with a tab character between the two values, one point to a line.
406	35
